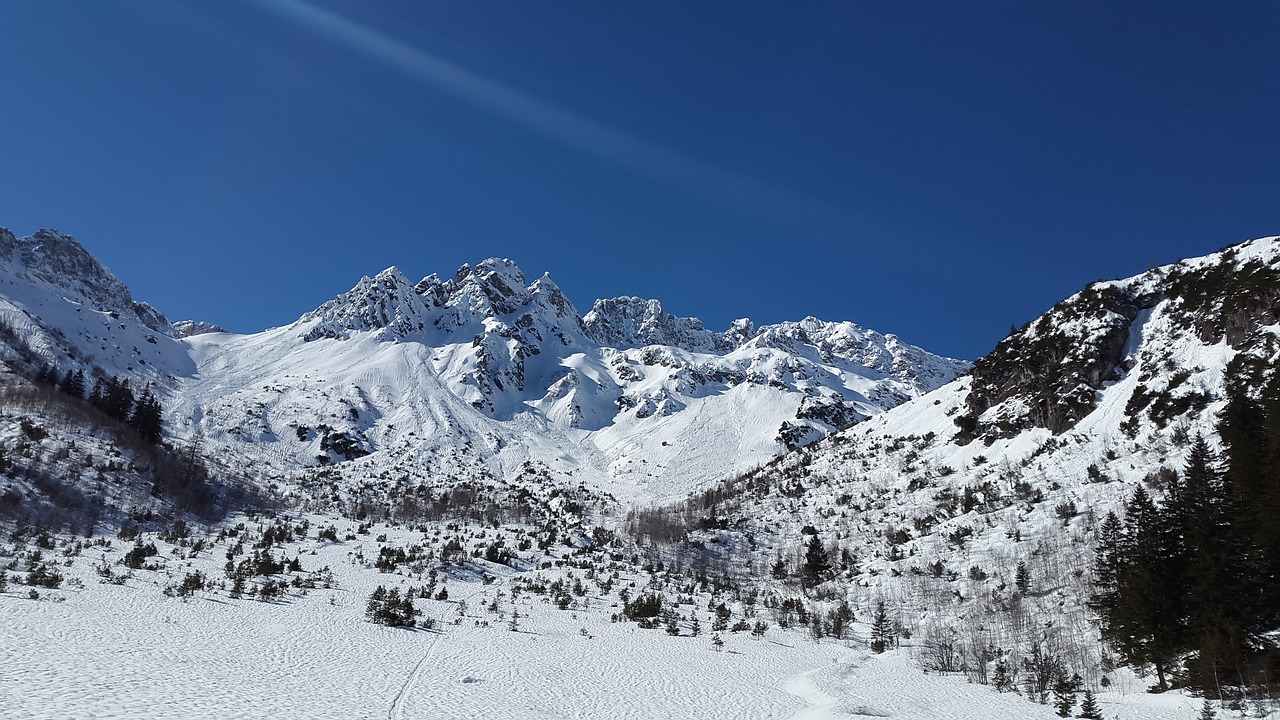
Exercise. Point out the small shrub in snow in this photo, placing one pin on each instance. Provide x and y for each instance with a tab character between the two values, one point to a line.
135	558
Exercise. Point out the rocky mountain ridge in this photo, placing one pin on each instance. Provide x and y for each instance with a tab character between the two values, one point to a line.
412	376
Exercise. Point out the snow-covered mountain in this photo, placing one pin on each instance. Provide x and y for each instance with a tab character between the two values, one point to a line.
932	505
483	368
964	510
70	312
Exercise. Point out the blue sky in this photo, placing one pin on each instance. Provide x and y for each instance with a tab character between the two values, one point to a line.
938	170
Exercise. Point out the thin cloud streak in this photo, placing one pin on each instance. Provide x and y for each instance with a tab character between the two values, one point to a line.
651	161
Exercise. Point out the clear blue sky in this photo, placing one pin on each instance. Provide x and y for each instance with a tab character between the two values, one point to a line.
939	170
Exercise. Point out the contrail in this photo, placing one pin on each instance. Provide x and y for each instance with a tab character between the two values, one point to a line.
646	159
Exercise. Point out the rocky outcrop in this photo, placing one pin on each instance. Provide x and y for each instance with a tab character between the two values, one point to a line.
188	328
1048	373
629	322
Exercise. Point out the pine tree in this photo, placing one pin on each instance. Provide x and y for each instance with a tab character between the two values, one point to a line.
1250	430
1089	707
1022	578
1142	616
1064	693
147	417
113	397
73	384
817	564
46	375
1206	711
1109	555
882	636
1219	587
1003	679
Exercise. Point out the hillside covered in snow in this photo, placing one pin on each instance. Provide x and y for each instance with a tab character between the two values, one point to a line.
804	514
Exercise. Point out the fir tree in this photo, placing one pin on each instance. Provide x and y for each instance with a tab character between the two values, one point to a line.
817	564
147	417
1089	707
46	375
882	636
1141	615
1250	430
1219	585
1003	679
73	384
1064	693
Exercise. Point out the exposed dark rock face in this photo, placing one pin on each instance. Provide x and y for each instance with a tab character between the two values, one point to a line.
1057	364
1048	373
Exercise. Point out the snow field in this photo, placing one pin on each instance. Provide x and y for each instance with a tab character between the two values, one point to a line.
97	650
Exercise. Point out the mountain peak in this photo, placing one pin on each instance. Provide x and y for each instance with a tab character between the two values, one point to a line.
55	259
627	322
387	301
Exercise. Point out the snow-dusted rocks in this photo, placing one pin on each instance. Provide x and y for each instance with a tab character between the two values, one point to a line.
1049	374
187	328
64	309
628	322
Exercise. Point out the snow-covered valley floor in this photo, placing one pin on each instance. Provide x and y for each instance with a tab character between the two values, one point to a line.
93	649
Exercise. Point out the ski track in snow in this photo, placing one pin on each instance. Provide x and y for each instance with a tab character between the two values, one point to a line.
398	702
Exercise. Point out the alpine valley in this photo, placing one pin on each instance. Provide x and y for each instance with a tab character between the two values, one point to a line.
460	497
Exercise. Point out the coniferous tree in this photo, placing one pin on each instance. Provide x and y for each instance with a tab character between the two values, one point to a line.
113	397
1022	578
779	571
1089	707
1140	612
1250	430
1219	586
147	417
817	563
882	635
46	375
1064	693
73	384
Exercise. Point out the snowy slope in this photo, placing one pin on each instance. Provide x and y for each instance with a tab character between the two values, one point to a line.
483	389
933	504
71	312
